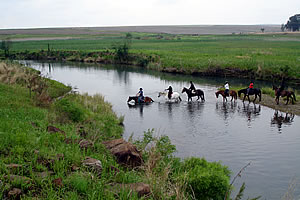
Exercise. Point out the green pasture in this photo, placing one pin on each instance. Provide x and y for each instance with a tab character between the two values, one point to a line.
262	53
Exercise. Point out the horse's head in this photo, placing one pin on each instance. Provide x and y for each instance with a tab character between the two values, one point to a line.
160	94
183	90
274	87
217	94
130	98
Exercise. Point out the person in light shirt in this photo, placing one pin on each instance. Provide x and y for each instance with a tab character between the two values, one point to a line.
226	86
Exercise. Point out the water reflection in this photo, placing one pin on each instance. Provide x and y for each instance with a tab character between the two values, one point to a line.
139	107
250	111
226	109
280	119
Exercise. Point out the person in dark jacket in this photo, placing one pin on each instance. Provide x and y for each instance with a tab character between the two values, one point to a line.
170	92
192	87
140	95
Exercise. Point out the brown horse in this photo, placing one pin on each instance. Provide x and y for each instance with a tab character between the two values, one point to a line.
232	93
284	93
135	98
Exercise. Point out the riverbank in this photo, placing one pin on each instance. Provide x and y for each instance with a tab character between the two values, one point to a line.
253	56
53	147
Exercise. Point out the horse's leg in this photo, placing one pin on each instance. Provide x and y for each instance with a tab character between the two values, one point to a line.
248	98
277	100
180	99
287	100
244	98
255	98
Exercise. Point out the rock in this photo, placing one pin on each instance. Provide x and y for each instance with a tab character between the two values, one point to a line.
84	144
52	129
93	164
16	178
141	188
74	168
15	193
13	166
57	182
44	174
125	152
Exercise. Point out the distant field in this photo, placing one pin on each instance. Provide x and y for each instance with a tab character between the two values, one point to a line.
188	29
265	53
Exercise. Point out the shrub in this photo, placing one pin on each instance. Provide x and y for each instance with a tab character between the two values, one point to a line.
207	180
73	111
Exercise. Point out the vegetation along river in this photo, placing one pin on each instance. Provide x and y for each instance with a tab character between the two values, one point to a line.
234	133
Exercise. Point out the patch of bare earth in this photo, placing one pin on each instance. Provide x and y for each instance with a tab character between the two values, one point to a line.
269	101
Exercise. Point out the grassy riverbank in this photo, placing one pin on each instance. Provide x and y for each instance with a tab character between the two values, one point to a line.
256	56
44	142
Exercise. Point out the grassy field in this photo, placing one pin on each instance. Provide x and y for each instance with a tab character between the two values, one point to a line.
45	165
262	54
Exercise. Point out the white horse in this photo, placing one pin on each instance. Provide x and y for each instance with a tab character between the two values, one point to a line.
175	96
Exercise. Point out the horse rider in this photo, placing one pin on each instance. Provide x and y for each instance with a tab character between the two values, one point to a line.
226	86
192	87
250	87
140	95
282	85
170	92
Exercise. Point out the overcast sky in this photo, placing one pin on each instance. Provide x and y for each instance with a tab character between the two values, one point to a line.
70	13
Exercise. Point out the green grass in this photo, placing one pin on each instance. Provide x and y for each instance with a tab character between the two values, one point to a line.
262	53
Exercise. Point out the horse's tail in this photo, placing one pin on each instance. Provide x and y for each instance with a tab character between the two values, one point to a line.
259	94
239	93
235	96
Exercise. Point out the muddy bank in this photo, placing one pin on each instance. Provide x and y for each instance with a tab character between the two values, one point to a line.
269	101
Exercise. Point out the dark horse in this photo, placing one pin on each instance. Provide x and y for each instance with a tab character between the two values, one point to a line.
135	98
254	91
284	93
199	93
232	93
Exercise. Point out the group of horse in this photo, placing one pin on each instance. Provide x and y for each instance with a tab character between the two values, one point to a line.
232	93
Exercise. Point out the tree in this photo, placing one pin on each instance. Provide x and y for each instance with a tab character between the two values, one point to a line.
282	27
5	46
293	24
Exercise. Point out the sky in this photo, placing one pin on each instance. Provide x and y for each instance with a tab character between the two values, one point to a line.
87	13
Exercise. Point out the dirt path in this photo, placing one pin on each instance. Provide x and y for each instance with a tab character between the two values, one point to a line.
269	101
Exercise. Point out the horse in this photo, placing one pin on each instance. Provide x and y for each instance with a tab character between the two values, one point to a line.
232	93
284	93
199	93
135	98
175	96
254	91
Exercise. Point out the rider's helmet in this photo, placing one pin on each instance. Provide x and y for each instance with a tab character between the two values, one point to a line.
226	82
141	88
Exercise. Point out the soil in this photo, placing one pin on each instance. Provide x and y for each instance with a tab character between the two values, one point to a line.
269	101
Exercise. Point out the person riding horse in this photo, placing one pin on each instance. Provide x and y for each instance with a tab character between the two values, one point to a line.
170	91
192	87
226	86
250	87
140	95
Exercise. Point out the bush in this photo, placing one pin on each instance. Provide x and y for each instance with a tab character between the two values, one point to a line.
207	180
71	109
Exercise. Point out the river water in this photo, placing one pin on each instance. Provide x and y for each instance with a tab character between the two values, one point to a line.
234	133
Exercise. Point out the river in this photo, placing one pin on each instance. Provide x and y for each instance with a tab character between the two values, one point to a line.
233	133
